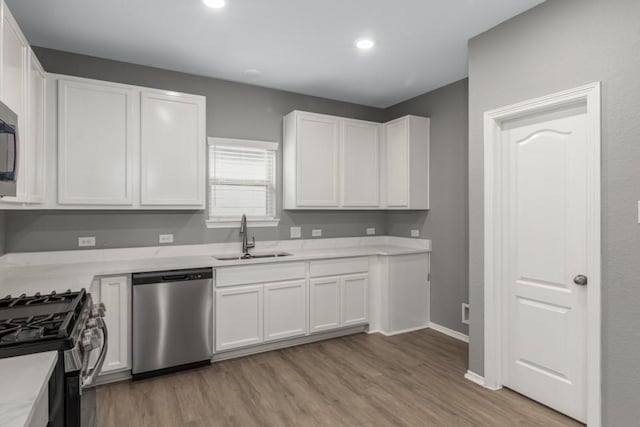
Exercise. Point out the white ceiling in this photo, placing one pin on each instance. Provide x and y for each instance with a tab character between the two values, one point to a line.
303	46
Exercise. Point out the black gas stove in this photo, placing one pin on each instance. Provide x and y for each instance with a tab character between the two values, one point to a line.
39	322
66	322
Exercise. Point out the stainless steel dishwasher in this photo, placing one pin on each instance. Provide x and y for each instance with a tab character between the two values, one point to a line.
172	321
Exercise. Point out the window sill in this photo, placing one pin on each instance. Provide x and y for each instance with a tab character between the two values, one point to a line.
211	223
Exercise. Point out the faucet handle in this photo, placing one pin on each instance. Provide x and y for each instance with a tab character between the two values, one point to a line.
253	243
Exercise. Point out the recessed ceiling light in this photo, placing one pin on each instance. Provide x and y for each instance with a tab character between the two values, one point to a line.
365	44
215	4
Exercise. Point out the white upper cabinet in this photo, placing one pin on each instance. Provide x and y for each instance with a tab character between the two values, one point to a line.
97	138
13	88
173	149
396	135
406	163
337	163
36	177
360	168
127	147
312	148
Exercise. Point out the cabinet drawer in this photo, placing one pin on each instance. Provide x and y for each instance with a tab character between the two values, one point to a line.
335	267
263	273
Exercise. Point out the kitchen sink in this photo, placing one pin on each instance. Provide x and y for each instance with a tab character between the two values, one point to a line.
252	256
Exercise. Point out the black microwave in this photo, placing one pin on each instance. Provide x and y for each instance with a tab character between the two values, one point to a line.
9	151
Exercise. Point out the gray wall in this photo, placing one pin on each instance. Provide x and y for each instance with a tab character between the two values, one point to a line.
233	110
446	223
559	45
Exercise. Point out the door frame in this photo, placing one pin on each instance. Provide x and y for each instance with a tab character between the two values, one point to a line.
496	246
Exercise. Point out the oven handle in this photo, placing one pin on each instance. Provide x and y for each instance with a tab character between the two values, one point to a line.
91	376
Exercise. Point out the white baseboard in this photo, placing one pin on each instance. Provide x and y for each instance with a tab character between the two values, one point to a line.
474	378
402	331
450	332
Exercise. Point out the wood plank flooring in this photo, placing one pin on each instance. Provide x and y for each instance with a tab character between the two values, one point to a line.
414	379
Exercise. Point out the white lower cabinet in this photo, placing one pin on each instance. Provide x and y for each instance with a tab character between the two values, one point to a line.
285	310
355	300
239	317
337	302
115	293
324	310
286	304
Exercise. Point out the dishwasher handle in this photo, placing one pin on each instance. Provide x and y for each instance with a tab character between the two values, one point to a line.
172	276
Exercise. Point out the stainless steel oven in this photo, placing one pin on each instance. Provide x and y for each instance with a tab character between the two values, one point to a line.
9	151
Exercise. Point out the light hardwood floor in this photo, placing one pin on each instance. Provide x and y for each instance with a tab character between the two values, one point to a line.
414	379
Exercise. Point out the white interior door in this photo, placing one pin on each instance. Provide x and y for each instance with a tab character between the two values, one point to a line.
546	193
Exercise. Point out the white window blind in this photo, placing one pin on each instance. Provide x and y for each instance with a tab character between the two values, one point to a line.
241	179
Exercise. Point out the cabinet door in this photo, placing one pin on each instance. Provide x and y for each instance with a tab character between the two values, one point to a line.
239	317
96	143
324	304
360	164
173	149
397	163
36	132
13	90
355	300
317	167
285	310
115	294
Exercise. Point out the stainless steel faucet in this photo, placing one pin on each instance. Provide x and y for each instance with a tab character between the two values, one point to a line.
244	233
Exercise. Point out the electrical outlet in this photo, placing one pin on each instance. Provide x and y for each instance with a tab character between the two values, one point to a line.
371	231
317	232
465	313
296	232
165	238
86	241
415	233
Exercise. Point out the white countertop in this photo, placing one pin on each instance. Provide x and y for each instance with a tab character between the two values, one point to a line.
22	380
59	271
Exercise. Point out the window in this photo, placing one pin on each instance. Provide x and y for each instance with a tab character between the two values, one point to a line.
242	177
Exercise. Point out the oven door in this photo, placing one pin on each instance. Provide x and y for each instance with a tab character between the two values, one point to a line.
81	405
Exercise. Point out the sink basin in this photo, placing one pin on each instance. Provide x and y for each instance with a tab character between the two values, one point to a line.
252	256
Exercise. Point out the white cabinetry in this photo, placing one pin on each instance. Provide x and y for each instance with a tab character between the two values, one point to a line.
126	147
260	303
360	166
22	88
339	163
97	136
285	313
400	293
406	163
239	317
173	149
324	304
36	150
355	300
339	300
115	293
312	157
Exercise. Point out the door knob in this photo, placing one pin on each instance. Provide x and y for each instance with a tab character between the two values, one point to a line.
580	280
